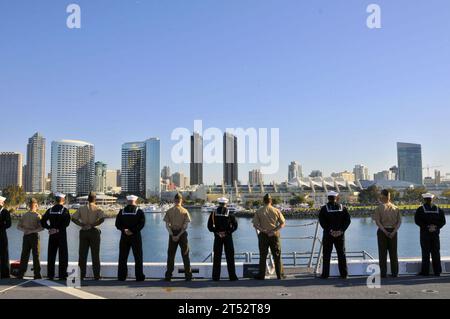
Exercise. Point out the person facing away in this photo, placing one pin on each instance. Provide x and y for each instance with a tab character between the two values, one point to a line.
56	220
30	225
130	221
388	219
89	217
334	219
223	225
268	221
177	220
5	223
430	218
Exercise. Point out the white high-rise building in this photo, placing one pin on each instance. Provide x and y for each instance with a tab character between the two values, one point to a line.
255	177
361	173
100	177
35	166
295	171
72	167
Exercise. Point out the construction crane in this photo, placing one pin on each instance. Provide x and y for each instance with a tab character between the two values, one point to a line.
430	167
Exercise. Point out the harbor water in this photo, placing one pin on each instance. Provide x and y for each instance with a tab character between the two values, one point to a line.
360	236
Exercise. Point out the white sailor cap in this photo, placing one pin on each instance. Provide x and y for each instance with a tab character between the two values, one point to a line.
428	196
2	199
222	200
132	197
332	194
60	195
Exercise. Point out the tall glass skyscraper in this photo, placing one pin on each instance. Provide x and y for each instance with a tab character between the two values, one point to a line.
230	159
35	167
72	167
133	168
196	168
410	163
141	168
152	167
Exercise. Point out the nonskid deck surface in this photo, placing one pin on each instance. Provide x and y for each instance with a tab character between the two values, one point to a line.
294	287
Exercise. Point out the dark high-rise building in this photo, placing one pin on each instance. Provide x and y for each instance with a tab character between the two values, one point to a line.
133	168
196	169
141	171
410	163
230	159
34	172
11	169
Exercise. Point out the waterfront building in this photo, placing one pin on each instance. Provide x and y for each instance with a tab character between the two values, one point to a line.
141	168
100	177
101	199
230	159
11	169
346	176
361	172
410	163
316	173
394	171
315	189
165	173
196	165
179	180
437	177
294	171
255	177
112	177
384	176
34	172
72	167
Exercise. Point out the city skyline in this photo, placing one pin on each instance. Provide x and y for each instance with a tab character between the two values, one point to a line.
357	167
280	71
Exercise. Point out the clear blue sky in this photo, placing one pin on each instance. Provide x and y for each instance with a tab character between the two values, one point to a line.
340	93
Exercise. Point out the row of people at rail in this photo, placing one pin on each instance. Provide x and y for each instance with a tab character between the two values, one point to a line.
334	218
130	221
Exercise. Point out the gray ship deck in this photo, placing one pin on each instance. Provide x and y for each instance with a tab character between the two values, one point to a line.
301	287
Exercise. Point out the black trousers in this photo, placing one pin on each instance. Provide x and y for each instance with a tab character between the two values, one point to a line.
30	244
430	244
171	252
4	255
385	245
133	242
328	242
219	244
57	243
89	239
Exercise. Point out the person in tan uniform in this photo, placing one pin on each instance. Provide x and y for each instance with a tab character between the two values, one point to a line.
30	225
388	219
88	218
268	221
177	219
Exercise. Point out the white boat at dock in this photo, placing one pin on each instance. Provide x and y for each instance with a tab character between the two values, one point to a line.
155	209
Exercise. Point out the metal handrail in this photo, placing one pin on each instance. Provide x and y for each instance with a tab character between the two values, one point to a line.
296	259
